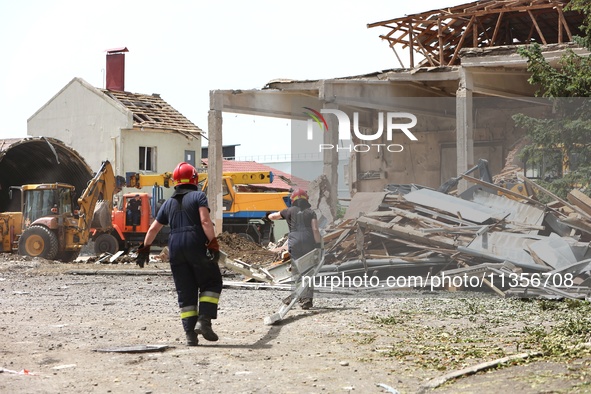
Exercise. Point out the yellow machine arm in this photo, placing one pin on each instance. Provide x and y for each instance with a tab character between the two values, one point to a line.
137	180
244	178
102	186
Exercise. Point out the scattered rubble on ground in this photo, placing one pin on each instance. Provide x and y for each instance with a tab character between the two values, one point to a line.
488	238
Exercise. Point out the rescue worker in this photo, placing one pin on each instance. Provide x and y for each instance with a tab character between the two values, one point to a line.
193	252
304	236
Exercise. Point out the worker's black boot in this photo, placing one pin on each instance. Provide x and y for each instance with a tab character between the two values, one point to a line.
191	338
306	303
204	328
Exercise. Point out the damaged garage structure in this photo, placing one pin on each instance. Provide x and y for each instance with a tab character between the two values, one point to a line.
463	82
38	160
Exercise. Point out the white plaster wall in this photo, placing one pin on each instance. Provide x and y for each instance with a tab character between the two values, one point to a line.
84	119
170	150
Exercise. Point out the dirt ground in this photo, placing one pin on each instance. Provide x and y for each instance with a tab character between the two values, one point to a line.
54	324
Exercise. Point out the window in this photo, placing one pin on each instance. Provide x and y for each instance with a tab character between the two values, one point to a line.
190	157
147	158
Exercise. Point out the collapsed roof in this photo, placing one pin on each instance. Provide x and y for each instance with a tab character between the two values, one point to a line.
440	34
152	112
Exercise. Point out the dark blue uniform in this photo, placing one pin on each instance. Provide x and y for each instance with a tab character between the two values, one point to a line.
300	239
197	279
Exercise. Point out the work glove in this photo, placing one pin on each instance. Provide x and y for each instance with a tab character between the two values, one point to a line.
213	250
143	255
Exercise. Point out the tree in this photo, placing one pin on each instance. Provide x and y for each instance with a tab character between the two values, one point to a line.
563	137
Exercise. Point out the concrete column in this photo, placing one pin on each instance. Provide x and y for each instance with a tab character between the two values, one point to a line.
464	126
330	158
215	160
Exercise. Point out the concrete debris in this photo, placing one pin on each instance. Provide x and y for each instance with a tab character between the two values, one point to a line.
495	240
492	239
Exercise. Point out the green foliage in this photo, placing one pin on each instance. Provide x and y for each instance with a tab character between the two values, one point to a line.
341	210
568	337
560	139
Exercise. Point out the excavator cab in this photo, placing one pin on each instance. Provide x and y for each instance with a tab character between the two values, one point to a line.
46	200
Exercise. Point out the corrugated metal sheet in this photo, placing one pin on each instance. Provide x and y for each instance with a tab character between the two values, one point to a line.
518	212
39	160
468	210
506	247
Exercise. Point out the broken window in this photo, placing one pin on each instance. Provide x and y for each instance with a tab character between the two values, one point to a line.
147	158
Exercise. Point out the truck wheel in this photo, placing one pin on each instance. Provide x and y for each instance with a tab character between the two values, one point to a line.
106	243
38	241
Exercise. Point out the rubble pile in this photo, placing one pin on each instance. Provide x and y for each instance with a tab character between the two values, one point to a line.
239	248
487	238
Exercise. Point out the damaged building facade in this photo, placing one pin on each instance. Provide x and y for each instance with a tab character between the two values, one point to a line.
415	128
135	132
464	82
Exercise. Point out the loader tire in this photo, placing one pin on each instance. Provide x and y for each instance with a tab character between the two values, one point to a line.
106	243
38	241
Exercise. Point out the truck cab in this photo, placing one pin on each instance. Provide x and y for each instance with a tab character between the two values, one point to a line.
125	234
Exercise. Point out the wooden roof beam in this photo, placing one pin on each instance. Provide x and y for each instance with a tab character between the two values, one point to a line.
499	10
533	18
564	23
455	55
496	32
440	40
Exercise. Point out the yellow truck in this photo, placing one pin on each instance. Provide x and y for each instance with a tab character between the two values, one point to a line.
245	210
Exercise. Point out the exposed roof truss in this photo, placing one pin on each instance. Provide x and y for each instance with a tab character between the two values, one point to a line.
438	36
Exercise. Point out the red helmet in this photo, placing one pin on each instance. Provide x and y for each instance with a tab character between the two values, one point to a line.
185	174
297	194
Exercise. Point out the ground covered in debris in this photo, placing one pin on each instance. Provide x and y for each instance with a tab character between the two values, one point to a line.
54	322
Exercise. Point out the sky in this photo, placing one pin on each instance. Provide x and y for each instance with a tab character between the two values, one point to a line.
183	49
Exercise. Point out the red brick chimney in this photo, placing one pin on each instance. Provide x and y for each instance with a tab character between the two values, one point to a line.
116	69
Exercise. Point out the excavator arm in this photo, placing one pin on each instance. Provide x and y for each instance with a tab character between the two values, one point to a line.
103	186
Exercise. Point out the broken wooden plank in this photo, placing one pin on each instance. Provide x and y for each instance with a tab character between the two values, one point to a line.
532	184
581	200
405	233
434	383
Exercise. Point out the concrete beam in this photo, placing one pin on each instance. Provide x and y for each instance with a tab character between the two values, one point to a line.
464	127
272	103
330	158
215	168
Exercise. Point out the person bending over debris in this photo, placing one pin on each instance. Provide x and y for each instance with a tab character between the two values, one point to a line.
303	236
194	253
